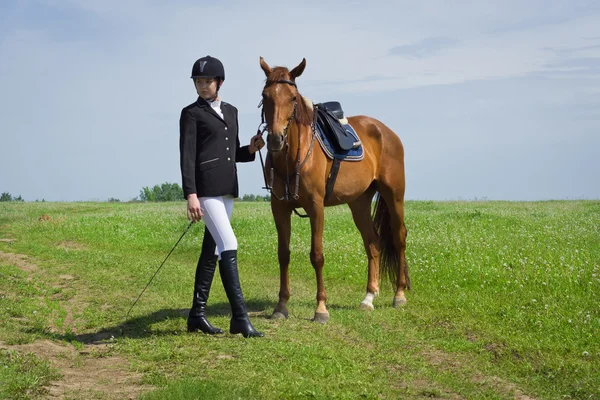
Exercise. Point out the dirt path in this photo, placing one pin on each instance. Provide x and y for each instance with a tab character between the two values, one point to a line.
90	373
445	361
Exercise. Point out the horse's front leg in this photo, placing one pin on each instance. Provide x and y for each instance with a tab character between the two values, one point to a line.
282	216
317	260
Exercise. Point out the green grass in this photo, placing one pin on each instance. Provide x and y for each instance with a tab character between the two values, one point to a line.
505	301
23	375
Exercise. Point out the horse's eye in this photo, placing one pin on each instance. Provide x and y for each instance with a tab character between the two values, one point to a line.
294	98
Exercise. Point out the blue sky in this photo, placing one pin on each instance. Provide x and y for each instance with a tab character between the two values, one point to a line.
492	99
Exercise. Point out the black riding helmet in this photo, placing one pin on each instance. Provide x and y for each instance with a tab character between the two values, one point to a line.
208	67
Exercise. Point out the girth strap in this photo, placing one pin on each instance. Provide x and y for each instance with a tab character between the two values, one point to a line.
332	177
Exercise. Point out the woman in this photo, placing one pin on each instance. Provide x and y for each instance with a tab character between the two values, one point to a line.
209	148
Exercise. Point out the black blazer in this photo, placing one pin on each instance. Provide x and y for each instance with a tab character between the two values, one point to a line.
209	147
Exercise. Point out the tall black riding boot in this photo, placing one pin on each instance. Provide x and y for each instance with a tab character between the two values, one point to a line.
204	276
240	323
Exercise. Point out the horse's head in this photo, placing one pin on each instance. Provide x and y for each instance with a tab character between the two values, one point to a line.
281	102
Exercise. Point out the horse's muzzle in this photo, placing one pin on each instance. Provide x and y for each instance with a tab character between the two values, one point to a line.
275	143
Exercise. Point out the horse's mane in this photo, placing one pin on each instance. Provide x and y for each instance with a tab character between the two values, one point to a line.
304	114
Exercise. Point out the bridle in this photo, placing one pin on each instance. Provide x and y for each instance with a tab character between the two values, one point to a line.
269	185
289	121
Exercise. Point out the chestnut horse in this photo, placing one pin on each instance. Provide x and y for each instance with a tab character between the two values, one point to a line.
300	171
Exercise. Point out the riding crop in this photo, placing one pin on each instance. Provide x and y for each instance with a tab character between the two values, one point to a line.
156	273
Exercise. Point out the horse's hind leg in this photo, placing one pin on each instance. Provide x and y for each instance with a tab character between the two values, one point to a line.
282	217
361	213
403	281
394	199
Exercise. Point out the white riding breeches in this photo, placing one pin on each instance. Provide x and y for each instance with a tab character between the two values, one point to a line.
217	215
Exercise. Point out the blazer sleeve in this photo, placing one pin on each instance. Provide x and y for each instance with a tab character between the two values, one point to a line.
187	152
242	154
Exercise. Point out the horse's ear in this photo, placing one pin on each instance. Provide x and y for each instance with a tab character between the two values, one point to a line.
265	67
296	72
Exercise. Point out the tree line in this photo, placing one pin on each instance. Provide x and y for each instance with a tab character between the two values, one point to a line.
174	192
157	193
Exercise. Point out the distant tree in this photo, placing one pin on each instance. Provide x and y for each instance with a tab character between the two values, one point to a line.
113	200
147	194
8	197
248	197
165	192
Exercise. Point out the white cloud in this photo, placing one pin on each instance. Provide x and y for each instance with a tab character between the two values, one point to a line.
108	78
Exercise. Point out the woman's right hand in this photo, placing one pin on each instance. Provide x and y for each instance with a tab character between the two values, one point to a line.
193	208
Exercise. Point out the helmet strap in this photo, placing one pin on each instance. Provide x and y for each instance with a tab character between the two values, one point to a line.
217	92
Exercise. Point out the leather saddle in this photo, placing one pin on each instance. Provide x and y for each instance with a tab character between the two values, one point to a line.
328	116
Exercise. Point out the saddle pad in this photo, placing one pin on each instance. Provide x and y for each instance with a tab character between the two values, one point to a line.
334	151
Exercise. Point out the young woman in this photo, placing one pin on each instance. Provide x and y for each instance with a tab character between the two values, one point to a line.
209	148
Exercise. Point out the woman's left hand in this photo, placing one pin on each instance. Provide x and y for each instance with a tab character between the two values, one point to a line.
256	143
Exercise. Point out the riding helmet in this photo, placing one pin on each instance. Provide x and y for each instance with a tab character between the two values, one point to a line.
208	67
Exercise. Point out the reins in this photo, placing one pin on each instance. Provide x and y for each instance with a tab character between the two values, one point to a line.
299	164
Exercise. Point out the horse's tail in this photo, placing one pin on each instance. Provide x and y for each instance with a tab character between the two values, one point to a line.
389	260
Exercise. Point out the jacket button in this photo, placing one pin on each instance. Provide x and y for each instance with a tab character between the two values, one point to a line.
226	138
228	148
225	128
228	159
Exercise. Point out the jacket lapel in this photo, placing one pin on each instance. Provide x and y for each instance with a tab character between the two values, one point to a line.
228	114
206	107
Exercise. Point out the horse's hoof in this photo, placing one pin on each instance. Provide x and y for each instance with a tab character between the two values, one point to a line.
321	318
366	306
279	315
399	302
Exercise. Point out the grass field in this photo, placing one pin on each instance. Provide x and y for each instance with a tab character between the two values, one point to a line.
505	304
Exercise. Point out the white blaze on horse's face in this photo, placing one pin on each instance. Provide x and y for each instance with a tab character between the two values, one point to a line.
279	102
279	105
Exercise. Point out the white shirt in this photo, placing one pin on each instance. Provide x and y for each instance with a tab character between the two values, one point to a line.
216	105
